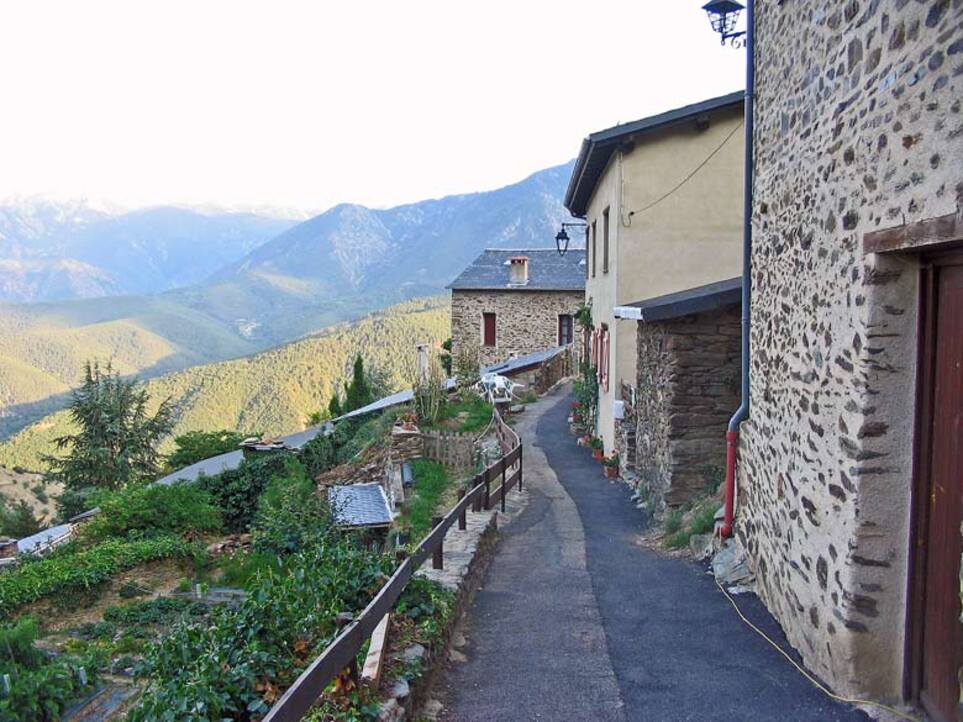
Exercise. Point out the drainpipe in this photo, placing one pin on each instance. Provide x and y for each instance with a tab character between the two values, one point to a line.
732	434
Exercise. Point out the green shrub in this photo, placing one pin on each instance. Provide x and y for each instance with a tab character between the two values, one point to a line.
79	571
153	510
196	446
18	522
159	611
236	491
216	669
319	455
290	514
41	688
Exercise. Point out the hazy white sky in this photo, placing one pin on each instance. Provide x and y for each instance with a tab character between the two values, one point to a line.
307	104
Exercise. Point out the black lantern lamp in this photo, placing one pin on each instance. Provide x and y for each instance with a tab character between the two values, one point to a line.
723	15
562	239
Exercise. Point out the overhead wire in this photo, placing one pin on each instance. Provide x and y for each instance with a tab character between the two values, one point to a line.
689	177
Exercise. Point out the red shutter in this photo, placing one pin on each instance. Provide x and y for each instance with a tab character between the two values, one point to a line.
489	328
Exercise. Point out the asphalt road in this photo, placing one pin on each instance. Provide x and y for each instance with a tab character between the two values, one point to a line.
576	621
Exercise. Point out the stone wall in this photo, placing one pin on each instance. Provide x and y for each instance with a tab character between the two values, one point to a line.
687	389
525	321
858	128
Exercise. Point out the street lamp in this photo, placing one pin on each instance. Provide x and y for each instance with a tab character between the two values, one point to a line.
562	239
723	16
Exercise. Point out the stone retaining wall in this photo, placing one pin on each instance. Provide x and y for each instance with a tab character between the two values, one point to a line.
687	389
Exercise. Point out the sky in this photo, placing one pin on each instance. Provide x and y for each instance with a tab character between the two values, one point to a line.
303	105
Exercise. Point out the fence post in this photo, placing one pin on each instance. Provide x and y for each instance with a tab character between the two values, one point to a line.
504	481
438	556
520	447
462	520
477	501
488	491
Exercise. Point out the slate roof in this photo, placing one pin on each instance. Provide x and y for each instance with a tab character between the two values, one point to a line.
360	505
599	147
547	271
684	303
521	362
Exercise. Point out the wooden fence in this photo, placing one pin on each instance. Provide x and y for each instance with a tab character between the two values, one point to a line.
451	448
341	654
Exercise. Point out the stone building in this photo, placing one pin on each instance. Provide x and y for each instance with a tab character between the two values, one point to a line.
662	200
687	386
511	303
850	473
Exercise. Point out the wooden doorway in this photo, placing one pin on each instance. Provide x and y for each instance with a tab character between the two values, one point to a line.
935	631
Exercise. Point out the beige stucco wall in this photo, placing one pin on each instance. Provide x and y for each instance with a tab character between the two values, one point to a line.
858	127
525	321
691	238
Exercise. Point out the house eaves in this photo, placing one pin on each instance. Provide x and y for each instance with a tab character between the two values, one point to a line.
598	148
710	297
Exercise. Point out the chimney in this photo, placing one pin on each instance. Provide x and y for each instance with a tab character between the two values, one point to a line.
519	270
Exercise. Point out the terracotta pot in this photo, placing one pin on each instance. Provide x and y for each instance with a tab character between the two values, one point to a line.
597	454
611	472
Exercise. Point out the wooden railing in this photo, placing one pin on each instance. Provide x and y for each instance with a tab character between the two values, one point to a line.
342	653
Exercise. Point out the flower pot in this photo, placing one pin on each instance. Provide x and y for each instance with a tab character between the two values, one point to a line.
611	472
597	454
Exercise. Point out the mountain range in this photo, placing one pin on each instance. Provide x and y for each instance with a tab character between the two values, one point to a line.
259	288
61	251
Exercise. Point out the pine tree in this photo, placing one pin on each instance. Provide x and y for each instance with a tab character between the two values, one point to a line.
117	439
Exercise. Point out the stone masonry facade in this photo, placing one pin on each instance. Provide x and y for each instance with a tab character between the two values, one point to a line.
858	128
526	321
688	387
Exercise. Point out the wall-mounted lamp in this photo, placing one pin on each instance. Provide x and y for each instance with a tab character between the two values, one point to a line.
723	16
562	239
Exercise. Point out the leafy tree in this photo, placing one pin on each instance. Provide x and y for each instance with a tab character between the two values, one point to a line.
117	439
196	446
18	522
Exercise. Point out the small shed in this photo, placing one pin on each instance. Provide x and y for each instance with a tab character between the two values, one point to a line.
360	506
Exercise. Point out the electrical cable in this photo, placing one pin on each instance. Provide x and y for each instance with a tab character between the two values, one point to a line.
689	177
807	675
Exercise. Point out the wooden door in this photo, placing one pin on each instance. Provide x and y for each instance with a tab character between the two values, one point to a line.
488	329
940	496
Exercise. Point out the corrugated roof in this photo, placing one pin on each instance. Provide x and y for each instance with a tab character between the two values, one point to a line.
521	362
684	303
547	271
360	505
598	147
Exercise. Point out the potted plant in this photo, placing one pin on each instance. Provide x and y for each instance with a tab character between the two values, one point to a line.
598	453
611	466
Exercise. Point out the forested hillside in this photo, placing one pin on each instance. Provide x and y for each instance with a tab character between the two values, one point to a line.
43	347
274	391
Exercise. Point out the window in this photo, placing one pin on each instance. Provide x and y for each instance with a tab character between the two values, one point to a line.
605	241
594	244
565	326
586	251
488	329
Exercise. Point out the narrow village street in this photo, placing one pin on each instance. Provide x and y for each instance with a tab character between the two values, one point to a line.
576	621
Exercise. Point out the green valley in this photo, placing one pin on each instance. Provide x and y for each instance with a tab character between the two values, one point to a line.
272	391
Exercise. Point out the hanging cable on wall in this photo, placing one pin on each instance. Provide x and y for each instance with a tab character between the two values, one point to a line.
689	177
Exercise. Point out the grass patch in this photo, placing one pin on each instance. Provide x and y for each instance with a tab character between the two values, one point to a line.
479	413
702	523
431	483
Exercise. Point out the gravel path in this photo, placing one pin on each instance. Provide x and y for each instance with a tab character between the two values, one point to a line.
576	621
